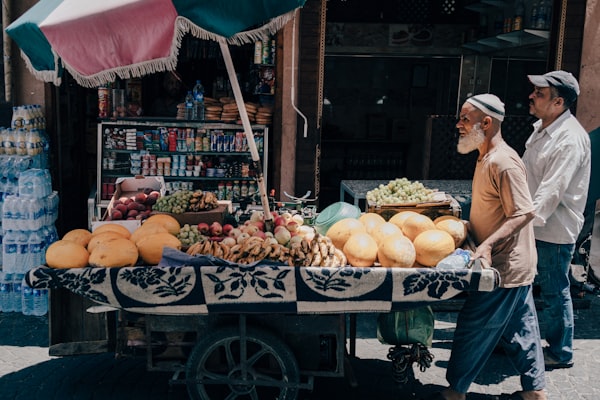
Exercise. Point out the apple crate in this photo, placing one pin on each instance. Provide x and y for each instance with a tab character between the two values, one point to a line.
128	187
194	218
446	206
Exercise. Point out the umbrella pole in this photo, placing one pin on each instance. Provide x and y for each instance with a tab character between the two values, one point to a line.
239	99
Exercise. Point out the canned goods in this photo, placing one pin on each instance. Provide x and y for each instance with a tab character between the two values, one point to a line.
103	102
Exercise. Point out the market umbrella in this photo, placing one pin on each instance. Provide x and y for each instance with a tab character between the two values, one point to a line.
100	40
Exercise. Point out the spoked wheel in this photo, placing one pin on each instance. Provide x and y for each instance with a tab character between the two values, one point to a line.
225	366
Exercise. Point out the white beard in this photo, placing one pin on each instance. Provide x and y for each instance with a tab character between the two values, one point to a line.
471	141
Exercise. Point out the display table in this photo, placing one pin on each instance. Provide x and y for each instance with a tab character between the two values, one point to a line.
355	191
193	289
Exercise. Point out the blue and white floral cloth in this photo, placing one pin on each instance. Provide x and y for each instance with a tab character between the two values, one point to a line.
183	284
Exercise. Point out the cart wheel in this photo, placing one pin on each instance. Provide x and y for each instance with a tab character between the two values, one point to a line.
217	368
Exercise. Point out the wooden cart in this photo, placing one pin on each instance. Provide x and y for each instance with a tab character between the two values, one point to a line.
260	331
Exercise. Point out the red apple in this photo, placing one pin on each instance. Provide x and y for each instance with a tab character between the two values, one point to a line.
259	224
280	221
260	234
215	229
226	229
122	208
140	197
116	214
203	228
292	225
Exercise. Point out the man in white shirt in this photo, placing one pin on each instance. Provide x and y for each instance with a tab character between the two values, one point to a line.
558	161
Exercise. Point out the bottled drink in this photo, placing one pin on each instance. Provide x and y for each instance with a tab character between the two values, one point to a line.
519	15
542	15
36	249
22	260
21	142
15	295
198	93
26	298
9	250
189	105
2	138
460	258
8	142
5	292
533	16
40	302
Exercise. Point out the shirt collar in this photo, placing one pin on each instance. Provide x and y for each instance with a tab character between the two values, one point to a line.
553	127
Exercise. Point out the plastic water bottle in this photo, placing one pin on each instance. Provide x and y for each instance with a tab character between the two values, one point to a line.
198	93
9	250
5	292
459	258
40	302
23	261
189	105
26	298
36	249
15	295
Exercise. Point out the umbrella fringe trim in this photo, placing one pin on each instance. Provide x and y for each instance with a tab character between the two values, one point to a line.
45	75
169	63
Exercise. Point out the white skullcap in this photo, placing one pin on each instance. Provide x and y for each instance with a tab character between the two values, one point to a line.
489	104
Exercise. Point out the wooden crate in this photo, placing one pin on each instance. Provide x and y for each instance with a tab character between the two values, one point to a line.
433	210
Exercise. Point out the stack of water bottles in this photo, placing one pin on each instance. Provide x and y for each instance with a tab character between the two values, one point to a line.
28	228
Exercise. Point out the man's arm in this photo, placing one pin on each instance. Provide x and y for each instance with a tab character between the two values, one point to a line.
510	227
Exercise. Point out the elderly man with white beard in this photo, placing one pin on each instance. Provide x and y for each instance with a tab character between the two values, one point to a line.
500	225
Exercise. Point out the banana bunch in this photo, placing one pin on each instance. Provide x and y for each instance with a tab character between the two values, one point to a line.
301	253
201	201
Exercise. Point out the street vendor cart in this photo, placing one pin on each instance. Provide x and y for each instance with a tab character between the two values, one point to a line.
249	331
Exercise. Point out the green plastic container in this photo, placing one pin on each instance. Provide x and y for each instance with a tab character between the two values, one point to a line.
334	213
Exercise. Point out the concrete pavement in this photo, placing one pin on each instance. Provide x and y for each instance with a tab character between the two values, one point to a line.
28	373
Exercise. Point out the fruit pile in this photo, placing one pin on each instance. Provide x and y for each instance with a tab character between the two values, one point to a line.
400	191
408	239
134	207
112	245
186	200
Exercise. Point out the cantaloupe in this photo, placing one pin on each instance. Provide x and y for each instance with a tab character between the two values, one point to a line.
120	229
343	229
360	250
370	220
115	253
432	246
444	217
396	251
81	236
165	220
385	230
146	230
151	247
399	218
66	254
415	224
456	228
102	237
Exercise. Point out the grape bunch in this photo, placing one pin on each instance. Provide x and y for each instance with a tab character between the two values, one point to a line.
400	191
175	203
189	234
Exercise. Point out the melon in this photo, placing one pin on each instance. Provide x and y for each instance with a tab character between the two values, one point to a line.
151	247
399	218
102	237
66	254
432	246
81	236
456	228
360	250
343	229
120	229
146	230
445	217
113	254
165	220
416	224
384	230
371	220
396	251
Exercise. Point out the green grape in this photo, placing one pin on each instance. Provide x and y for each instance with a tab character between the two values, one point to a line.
399	191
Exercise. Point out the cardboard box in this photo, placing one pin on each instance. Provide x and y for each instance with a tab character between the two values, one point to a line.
127	187
193	218
446	206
